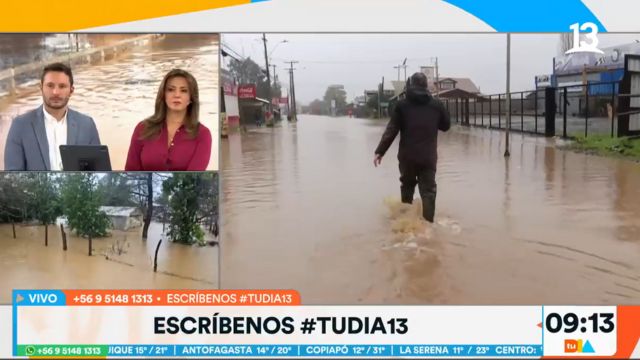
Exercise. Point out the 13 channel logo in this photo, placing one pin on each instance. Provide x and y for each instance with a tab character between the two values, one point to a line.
581	45
578	346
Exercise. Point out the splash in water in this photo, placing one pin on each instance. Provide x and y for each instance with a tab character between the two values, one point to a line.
409	227
411	231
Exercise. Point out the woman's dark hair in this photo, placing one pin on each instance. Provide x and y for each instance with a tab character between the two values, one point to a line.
154	123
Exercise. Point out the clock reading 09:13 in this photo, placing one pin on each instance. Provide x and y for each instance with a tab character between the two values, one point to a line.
570	322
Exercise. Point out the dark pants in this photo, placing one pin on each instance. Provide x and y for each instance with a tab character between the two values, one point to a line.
412	175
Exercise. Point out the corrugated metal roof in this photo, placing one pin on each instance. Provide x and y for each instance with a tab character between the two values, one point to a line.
120	210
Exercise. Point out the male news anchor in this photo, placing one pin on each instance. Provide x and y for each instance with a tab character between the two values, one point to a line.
35	137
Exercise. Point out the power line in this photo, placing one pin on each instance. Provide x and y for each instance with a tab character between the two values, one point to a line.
351	61
236	56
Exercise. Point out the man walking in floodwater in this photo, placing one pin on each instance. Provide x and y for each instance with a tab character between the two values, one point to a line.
418	118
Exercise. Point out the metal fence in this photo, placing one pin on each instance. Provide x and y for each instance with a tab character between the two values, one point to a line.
587	109
576	110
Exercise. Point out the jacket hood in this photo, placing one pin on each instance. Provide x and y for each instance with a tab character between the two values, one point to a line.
418	95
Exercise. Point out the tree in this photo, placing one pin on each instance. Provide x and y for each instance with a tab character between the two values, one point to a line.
45	201
116	189
148	214
184	198
372	103
142	191
336	93
13	199
81	205
208	205
248	71
318	107
131	189
276	90
163	206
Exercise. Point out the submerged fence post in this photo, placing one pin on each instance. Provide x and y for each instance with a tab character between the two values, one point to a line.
522	111
64	238
535	111
586	112
499	111
155	257
550	112
613	107
564	113
490	111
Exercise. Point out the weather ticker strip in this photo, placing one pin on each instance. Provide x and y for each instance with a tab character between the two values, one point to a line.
306	350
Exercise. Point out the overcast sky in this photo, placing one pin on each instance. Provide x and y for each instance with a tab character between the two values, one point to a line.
359	61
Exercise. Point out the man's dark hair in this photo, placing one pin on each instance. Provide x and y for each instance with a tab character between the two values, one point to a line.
57	67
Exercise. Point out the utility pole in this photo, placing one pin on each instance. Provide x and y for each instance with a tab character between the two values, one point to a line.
292	91
506	150
277	104
398	67
437	80
289	99
269	122
293	98
275	77
404	65
290	111
380	93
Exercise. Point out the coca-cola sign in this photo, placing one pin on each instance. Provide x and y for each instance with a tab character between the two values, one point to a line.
247	91
280	101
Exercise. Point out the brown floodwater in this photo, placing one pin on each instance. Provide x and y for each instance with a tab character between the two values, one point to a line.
120	261
304	208
121	92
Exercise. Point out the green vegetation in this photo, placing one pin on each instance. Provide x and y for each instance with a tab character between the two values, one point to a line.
192	202
45	201
608	146
323	107
187	201
248	71
81	205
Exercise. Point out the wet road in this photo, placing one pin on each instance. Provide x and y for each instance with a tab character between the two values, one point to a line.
304	208
120	93
120	261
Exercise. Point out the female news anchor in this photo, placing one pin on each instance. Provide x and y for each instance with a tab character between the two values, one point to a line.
172	139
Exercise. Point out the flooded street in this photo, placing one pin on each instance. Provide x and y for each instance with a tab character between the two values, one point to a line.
304	208
120	261
121	92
